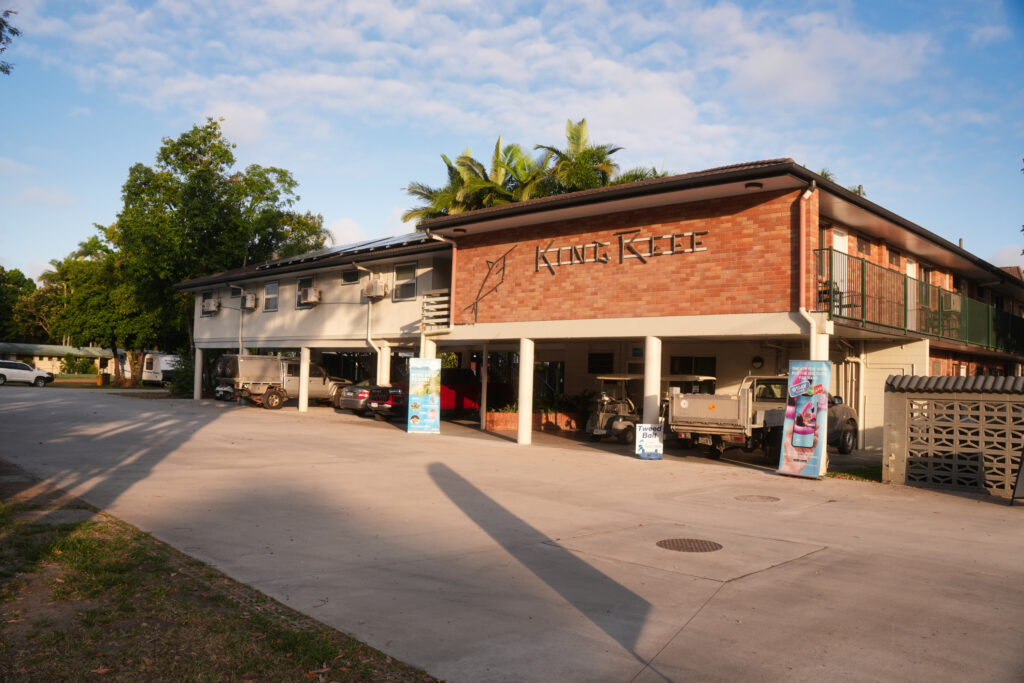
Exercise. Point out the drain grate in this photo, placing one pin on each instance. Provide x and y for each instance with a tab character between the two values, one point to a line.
689	545
758	499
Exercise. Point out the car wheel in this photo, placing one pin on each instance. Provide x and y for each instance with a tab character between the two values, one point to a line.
3	380
272	400
39	382
628	435
848	438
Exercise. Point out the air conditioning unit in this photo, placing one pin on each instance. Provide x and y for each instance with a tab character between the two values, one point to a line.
211	305
248	302
309	295
375	288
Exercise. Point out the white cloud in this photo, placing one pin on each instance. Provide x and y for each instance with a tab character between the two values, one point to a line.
986	35
38	196
347	231
80	111
243	124
10	167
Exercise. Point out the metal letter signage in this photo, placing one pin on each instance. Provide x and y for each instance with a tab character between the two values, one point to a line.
631	245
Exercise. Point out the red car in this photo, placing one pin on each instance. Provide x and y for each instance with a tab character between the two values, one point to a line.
460	391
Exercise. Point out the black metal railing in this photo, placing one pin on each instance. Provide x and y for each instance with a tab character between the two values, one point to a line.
853	289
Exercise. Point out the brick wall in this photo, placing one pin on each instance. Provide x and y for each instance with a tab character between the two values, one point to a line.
731	255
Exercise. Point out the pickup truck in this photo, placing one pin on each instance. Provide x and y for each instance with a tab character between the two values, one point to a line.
752	417
271	380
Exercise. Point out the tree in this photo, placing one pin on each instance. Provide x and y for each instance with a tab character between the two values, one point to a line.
14	286
6	33
581	165
514	176
191	215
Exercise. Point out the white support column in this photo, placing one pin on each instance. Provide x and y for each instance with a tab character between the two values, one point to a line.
428	347
483	389
524	435
652	380
197	382
383	363
819	347
303	379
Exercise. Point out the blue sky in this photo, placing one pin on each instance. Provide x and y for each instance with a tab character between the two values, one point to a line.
919	101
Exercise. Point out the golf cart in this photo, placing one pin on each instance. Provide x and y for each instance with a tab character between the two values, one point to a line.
616	412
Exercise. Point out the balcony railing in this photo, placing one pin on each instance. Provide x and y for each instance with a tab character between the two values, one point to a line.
436	315
852	289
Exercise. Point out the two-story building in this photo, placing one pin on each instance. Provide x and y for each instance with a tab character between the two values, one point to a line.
726	272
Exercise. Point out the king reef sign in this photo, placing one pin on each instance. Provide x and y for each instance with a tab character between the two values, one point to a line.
631	245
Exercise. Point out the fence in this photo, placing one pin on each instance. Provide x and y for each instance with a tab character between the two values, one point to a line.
954	433
856	290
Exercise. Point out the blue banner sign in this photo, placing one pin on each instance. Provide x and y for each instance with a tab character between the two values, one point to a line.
804	433
424	396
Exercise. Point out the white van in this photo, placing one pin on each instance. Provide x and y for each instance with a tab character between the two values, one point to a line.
158	368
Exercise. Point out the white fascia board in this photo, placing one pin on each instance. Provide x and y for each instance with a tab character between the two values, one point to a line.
734	326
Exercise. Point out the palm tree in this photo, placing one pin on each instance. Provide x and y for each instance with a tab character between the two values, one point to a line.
581	165
515	176
637	174
440	201
512	177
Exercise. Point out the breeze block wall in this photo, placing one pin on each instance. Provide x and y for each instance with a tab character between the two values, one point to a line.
721	256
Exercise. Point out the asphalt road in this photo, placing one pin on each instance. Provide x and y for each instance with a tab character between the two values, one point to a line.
481	560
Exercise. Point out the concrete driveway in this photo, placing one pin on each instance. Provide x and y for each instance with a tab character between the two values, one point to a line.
481	560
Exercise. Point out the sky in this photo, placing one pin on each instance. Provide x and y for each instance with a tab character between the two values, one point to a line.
920	102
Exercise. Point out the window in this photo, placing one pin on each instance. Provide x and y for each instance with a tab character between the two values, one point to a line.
349	277
863	245
149	362
405	281
270	296
692	365
236	292
207	296
894	258
301	284
600	363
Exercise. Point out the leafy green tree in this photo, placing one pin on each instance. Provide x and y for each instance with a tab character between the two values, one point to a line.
515	176
100	306
6	33
14	286
39	311
581	165
191	214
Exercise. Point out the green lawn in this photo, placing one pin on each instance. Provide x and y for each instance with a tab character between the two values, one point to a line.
96	599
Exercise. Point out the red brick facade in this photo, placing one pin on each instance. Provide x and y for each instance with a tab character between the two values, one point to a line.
731	255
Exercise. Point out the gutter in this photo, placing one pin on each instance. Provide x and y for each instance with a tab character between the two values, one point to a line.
802	279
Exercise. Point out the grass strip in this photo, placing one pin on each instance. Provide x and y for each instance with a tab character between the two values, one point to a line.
100	600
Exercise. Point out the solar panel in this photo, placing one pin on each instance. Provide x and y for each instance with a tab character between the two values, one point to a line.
352	248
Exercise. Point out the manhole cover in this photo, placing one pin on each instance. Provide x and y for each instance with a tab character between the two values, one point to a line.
689	545
758	499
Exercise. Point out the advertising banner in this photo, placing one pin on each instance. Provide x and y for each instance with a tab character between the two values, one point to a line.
804	433
424	396
650	441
